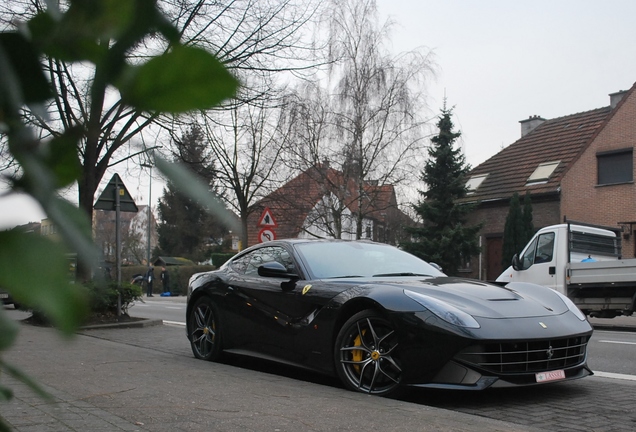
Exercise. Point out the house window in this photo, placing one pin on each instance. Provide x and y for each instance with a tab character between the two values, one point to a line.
474	182
542	173
615	167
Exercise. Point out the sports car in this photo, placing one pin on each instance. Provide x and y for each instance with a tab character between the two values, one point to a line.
382	320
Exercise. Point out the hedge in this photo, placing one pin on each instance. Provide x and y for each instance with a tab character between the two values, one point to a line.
218	259
179	277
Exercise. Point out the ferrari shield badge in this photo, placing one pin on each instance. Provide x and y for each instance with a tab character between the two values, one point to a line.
306	288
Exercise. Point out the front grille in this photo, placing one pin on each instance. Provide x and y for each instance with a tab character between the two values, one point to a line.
526	356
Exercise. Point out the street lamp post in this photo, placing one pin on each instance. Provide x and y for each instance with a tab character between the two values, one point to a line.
149	211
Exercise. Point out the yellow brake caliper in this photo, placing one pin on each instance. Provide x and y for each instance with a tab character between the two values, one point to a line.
357	354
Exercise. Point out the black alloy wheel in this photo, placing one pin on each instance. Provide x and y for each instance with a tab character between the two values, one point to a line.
203	324
367	356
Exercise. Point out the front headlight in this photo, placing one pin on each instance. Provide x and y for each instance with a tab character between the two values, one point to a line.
570	304
443	310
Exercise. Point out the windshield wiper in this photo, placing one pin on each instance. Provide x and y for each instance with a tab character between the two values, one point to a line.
345	277
400	274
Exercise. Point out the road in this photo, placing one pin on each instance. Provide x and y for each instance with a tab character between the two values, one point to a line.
156	363
168	309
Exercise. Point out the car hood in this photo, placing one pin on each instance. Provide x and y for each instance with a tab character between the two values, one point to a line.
480	299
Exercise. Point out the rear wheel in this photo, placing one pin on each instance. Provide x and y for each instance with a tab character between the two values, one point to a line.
367	356
203	324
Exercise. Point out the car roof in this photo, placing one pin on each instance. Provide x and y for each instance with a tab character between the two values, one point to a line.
295	241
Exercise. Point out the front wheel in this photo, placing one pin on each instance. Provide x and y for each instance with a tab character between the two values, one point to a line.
203	325
367	356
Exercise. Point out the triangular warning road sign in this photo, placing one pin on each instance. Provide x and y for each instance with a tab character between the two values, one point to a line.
266	219
106	200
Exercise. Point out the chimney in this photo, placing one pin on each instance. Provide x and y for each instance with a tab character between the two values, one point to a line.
530	124
615	98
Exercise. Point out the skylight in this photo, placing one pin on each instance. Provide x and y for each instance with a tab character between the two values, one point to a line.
543	172
474	182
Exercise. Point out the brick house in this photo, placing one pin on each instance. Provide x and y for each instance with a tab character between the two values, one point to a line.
579	166
322	202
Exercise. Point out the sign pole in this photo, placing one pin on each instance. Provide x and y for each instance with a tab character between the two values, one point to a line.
116	197
118	246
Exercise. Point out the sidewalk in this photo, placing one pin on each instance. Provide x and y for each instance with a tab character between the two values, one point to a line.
146	379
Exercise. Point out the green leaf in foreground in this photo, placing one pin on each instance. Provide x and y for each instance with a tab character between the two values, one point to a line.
181	80
35	270
9	330
21	67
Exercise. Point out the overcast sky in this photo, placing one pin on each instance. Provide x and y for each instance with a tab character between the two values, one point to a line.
499	62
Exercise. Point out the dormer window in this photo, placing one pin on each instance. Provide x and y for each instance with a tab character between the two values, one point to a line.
474	182
542	173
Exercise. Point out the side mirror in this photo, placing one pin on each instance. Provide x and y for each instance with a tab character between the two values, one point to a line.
516	265
275	269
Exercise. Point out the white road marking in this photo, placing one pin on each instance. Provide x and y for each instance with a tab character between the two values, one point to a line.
177	323
618	342
615	375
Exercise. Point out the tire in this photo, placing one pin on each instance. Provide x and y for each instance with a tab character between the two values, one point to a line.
367	355
204	328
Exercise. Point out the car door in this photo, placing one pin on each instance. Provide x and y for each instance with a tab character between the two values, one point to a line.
538	261
265	315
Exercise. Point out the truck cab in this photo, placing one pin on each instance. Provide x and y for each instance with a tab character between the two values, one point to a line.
547	254
584	263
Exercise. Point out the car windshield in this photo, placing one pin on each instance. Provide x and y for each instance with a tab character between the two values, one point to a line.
361	259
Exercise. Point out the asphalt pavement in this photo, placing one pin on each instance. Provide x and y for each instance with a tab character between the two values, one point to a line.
144	378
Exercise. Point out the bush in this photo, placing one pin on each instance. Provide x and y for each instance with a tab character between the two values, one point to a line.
179	276
103	297
218	259
102	300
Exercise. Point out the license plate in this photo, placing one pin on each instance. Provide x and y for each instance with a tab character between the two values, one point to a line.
3	295
550	376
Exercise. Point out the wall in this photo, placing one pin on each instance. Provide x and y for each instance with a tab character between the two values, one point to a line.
607	205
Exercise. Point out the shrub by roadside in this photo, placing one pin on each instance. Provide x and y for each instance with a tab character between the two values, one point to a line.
179	276
102	300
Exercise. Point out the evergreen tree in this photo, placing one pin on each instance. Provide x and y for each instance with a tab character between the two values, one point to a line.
180	224
513	231
185	228
444	238
526	219
518	229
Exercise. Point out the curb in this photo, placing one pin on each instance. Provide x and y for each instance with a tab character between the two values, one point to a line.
614	327
144	322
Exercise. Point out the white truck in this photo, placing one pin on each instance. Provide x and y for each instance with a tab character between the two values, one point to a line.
583	262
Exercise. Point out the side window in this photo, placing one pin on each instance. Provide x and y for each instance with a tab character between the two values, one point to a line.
527	259
545	248
240	264
541	250
265	255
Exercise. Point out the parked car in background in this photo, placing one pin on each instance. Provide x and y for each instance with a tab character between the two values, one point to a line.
7	299
381	319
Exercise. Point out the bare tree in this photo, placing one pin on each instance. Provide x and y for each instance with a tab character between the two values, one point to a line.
134	228
248	147
248	36
365	115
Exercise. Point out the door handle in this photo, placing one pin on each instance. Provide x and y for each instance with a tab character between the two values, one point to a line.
552	270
